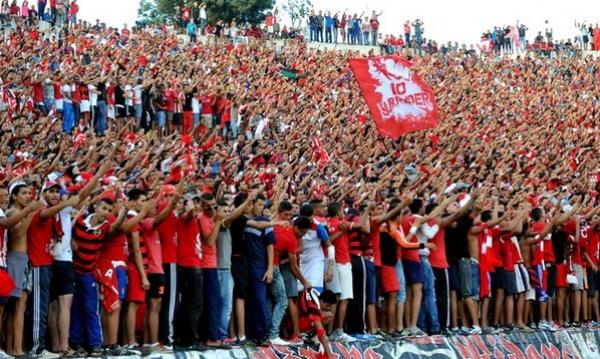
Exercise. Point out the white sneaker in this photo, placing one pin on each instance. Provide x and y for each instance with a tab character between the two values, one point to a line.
346	338
48	355
278	341
476	330
545	326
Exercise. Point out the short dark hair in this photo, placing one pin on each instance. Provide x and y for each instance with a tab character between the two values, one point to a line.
328	297
135	194
240	198
207	197
222	202
536	214
260	197
416	205
486	215
334	209
285	206
306	210
302	223
315	202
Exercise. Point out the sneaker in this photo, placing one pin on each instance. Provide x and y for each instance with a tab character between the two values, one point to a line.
339	336
435	332
476	330
245	343
526	330
295	340
594	324
487	330
416	332
167	348
454	331
576	324
48	355
498	330
464	331
96	353
364	337
278	341
545	326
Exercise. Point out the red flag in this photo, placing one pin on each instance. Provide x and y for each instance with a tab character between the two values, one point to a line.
397	97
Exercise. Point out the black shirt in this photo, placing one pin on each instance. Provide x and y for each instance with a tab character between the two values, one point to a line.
119	95
237	236
457	245
102	89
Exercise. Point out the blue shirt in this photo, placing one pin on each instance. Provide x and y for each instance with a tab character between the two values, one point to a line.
191	28
256	242
328	22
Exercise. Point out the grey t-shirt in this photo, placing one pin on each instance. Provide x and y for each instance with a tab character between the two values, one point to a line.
224	249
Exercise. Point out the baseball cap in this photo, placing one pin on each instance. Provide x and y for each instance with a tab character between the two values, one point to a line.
169	189
49	184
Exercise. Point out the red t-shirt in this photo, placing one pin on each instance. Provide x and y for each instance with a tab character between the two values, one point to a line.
508	260
167	231
342	249
189	249
486	242
153	248
407	222
115	247
39	240
286	243
593	246
496	256
207	104
170	96
437	256
209	252
375	242
38	92
538	249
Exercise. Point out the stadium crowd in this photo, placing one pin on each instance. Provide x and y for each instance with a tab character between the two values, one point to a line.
158	196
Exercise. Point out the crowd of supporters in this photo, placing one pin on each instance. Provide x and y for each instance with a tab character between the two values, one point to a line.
159	196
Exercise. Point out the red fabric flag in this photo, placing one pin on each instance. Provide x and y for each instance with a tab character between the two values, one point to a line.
397	97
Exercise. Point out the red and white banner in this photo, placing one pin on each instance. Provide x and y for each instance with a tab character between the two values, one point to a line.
397	97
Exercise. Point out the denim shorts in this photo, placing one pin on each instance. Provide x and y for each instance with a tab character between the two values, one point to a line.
469	278
453	277
412	271
402	282
161	118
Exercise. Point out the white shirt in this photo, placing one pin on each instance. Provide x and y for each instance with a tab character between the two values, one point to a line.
312	263
128	92
93	95
66	89
203	13
3	243
61	251
195	105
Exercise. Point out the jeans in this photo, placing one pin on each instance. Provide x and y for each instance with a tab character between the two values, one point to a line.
68	117
402	282
406	39
226	285
202	26
428	315
357	36
373	37
319	34
328	37
161	118
41	9
279	298
366	38
190	307
335	35
101	118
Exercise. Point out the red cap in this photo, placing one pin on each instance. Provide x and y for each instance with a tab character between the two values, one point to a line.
169	189
108	195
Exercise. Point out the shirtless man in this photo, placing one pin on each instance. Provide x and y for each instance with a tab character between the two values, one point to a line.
19	193
5	225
